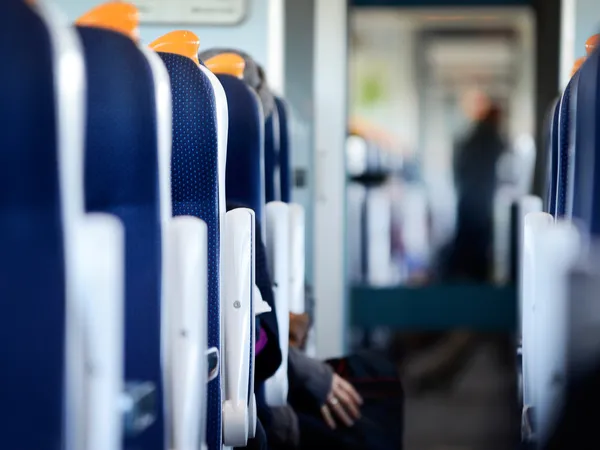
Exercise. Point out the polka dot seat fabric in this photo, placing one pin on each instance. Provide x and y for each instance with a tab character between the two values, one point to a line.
195	190
564	149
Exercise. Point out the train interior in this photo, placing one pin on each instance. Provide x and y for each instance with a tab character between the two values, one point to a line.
292	224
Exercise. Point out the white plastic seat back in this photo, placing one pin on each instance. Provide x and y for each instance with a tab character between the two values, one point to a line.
277	229
533	223
186	331
239	410
297	258
555	248
100	286
94	255
525	205
173	378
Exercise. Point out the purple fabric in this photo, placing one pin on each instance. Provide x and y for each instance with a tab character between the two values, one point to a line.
262	341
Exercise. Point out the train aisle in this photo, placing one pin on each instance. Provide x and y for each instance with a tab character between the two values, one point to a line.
477	412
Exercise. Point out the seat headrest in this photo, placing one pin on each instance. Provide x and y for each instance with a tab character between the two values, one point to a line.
180	42
116	16
254	76
577	65
592	43
227	64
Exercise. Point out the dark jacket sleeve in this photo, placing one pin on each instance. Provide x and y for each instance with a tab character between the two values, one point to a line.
310	380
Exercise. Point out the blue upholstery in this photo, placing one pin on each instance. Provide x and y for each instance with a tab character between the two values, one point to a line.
121	178
272	158
32	288
245	147
195	191
564	138
553	158
285	157
586	179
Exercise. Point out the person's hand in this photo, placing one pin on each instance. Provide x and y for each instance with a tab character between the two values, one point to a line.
343	403
299	324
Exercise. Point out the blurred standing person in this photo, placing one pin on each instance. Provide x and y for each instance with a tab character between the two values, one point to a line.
475	163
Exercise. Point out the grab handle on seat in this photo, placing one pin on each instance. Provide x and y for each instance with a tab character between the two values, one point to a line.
100	292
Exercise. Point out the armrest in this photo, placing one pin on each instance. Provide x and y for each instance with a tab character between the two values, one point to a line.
100	300
185	328
238	292
278	243
297	258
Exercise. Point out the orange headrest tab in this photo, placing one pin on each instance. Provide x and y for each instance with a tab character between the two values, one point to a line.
577	65
227	64
181	42
116	16
592	43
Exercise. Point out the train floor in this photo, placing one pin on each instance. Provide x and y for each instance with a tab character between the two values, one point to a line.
476	411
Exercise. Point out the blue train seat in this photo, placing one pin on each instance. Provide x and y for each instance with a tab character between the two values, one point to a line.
551	250
585	185
285	157
248	175
67	319
245	148
196	191
127	153
228	69
297	256
32	234
553	158
564	139
272	157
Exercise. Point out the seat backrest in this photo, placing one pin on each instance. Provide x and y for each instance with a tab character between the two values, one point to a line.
128	139
245	148
196	190
272	157
584	195
285	157
564	148
553	158
244	185
40	201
